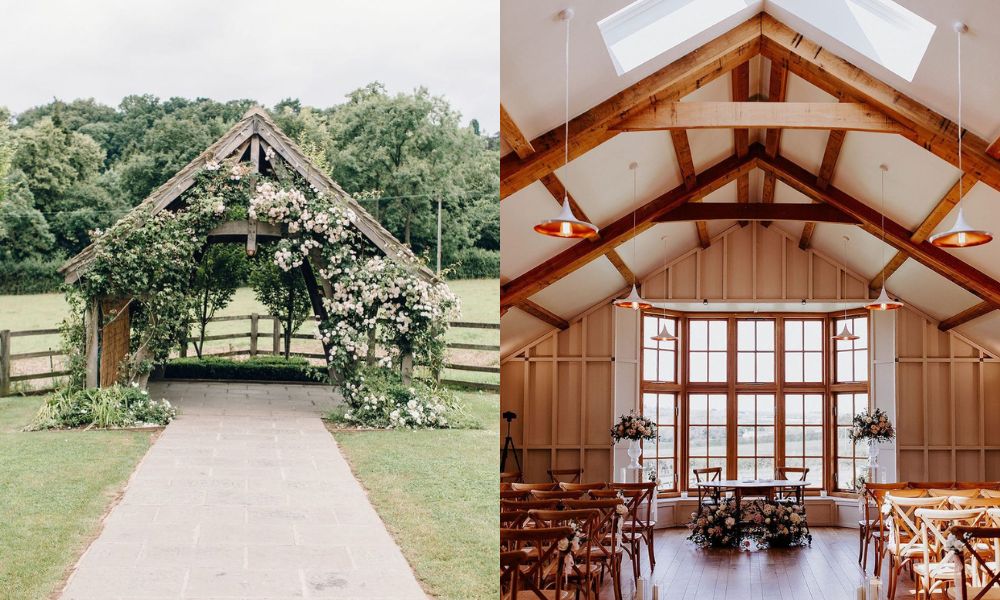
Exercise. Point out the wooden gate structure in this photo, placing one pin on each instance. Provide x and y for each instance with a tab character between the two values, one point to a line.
256	139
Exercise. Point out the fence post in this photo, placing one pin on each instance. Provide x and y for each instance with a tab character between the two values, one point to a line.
276	336
253	334
5	362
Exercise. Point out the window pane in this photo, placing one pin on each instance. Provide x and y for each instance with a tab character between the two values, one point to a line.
699	335
860	365
844	367
814	441
717	409
861	330
666	410
765	441
814	408
813	367
745	367
666	372
745	335
793	409
765	410
793	335
813	334
793	443
649	365
716	441
765	366
716	366
717	335
745	468
699	366
765	335
793	367
649	329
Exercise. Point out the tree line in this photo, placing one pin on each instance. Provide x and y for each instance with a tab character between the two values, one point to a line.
70	168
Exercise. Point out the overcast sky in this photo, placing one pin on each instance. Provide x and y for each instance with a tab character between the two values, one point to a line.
314	50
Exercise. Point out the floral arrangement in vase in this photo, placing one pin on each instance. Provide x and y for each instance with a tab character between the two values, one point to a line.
634	428
873	427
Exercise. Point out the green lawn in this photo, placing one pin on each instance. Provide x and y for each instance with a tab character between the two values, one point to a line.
54	489
436	492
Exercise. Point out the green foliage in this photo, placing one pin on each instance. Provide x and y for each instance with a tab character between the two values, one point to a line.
54	160
222	270
476	263
283	292
257	368
30	276
382	401
111	407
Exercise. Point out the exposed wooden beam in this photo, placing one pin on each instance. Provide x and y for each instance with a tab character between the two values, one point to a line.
756	212
846	82
994	149
511	134
585	251
716	111
834	143
682	148
558	191
671	83
741	136
930	256
543	314
973	312
738	115
776	86
940	211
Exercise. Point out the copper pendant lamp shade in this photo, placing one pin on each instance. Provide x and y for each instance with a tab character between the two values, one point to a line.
633	301
664	335
845	335
566	225
884	302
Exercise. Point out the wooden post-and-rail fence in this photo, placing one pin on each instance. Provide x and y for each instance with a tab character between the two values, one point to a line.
262	339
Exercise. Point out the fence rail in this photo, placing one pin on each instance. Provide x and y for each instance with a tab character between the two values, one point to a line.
256	345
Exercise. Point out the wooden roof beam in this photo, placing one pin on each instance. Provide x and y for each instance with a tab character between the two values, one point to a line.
741	136
559	191
511	134
756	212
739	115
620	231
848	83
682	149
671	83
938	214
973	312
930	256
543	314
834	143
777	85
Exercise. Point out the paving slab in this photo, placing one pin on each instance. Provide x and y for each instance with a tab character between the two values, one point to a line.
245	495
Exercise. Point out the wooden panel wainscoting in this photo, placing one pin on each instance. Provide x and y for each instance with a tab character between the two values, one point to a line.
114	339
946	422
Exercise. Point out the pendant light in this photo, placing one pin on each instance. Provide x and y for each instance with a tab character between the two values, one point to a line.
633	300
884	302
845	335
566	224
664	335
961	234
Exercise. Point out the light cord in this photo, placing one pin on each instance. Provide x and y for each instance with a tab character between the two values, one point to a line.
961	172
566	109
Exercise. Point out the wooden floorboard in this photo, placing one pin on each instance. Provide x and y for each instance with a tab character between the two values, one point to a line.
827	570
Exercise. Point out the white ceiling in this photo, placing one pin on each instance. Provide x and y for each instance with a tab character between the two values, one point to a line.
532	92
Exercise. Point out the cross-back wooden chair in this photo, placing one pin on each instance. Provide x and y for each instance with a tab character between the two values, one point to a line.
510	476
979	485
935	571
607	543
540	577
980	544
513	519
962	502
508	505
642	525
904	545
986	493
926	485
871	526
565	475
510	576
557	495
950	492
530	487
514	494
582	569
790	474
573	487
706	496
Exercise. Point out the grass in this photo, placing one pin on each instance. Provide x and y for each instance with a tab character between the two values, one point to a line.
436	492
54	489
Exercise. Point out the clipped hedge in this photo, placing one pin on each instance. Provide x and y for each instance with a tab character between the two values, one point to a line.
476	263
258	368
30	276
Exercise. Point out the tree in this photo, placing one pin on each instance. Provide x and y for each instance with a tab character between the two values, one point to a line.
54	160
284	294
221	271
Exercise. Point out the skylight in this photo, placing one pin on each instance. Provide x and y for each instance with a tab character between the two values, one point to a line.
882	30
647	28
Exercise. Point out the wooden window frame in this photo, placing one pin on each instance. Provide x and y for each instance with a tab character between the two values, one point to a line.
683	388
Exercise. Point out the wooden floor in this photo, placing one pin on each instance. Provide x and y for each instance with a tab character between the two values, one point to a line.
826	570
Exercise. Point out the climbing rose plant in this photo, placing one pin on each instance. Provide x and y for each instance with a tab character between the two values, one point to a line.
150	257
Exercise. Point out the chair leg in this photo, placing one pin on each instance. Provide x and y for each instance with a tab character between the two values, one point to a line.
649	546
861	547
616	575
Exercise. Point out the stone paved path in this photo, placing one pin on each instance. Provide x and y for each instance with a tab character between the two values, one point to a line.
245	495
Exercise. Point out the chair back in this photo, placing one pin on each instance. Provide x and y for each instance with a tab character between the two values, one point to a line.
935	525
965	493
986	493
510	565
567	475
530	487
607	527
510	476
513	519
638	495
926	485
508	505
707	474
979	485
584	520
963	502
557	495
982	544
586	487
904	528
540	577
792	473
513	495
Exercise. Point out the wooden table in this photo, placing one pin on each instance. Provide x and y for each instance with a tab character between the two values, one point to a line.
762	487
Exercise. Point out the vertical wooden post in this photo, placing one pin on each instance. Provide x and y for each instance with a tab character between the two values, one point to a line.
91	323
5	362
406	367
275	336
253	334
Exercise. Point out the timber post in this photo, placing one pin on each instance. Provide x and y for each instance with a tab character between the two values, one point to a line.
406	367
5	362
275	336
254	318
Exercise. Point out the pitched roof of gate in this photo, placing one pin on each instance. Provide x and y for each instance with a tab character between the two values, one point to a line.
256	122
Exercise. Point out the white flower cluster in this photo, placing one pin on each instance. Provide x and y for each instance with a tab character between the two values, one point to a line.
383	411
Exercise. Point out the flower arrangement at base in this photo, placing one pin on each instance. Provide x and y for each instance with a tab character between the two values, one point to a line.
633	427
766	523
874	427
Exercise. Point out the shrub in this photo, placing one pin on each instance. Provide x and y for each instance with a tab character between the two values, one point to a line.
30	276
476	263
258	368
110	407
381	401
